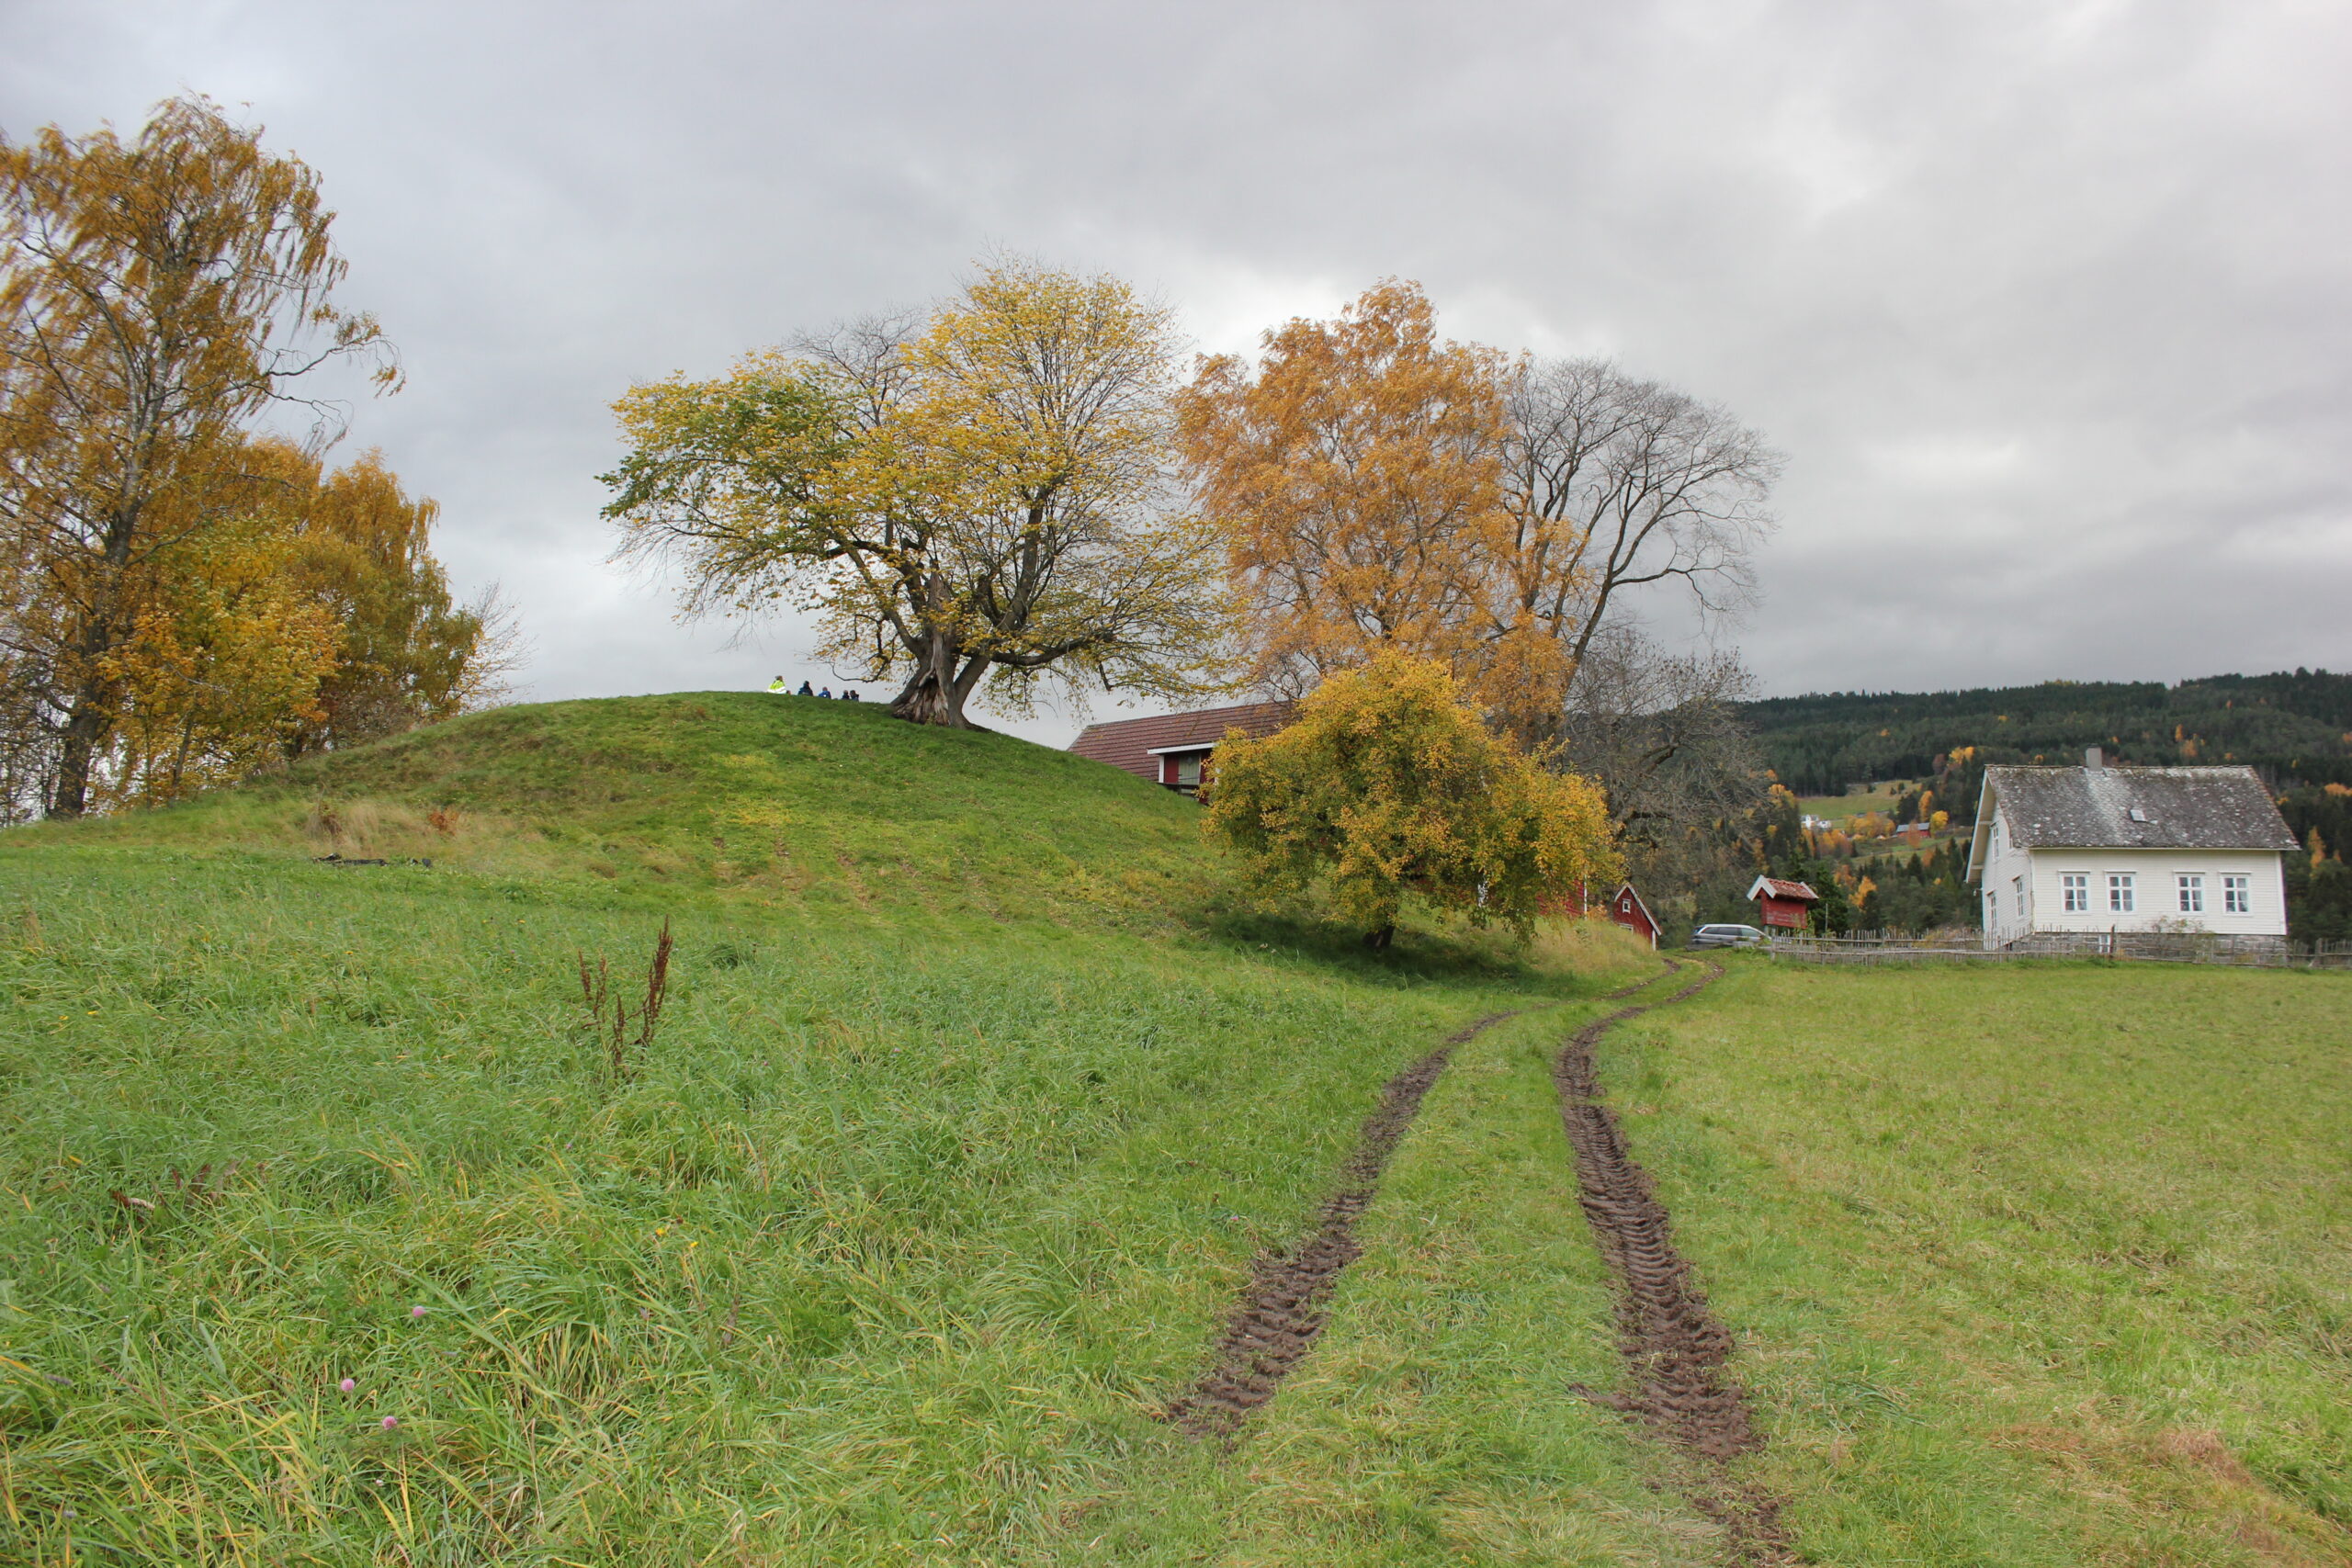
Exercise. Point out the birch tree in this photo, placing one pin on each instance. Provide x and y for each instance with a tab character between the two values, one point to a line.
156	296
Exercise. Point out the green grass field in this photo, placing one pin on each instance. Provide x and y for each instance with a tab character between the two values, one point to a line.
2031	1264
1884	797
976	1090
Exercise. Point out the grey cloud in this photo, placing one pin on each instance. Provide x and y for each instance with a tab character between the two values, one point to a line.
2047	305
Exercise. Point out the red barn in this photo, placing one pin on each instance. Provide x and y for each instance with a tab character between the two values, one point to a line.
1626	909
1785	904
1173	749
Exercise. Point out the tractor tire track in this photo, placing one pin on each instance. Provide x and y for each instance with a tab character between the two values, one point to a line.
1675	1348
1287	1301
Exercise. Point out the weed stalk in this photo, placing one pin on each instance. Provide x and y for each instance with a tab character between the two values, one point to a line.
623	1053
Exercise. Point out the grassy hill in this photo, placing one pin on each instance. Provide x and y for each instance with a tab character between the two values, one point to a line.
764	800
974	1094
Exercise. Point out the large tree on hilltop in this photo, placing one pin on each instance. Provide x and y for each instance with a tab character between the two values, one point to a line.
156	295
978	491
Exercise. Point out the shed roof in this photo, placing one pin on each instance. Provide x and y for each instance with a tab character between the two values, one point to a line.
1627	889
1777	887
2153	809
1129	743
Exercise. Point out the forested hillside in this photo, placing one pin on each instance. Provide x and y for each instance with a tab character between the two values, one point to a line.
2297	727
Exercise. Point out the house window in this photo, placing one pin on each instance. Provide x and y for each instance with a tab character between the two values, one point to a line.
2237	895
1188	772
2121	898
2016	892
2077	888
2192	894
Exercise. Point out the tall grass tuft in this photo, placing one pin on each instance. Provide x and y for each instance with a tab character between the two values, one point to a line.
596	991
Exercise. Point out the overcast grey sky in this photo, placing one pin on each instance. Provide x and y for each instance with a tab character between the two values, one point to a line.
2047	303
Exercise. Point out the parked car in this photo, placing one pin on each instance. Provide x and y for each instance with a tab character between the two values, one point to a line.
1726	936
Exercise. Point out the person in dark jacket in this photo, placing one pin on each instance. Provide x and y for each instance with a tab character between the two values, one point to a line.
804	691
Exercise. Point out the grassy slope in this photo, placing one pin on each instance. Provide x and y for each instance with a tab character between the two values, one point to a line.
776	801
2042	1265
950	1152
968	1114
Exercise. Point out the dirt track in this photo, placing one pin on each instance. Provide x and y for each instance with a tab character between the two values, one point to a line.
1288	1297
1675	1349
1283	1307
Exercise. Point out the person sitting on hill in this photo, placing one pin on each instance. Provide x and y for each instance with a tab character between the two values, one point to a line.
804	691
776	684
826	693
851	695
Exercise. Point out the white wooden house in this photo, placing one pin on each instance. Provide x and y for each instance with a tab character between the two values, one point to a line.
2129	851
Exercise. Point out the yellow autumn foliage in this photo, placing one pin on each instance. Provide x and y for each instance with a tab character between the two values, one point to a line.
1387	784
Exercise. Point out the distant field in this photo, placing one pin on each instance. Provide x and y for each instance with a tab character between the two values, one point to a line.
975	1095
1882	796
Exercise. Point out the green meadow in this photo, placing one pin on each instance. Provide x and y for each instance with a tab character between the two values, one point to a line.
978	1085
2031	1264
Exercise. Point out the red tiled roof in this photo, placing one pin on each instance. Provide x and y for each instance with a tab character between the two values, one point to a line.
1129	743
1774	888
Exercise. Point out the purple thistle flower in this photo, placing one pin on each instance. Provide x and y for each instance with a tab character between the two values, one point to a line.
347	1384
391	1422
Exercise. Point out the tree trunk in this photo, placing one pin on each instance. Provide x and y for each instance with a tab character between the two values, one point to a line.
85	727
943	677
1378	941
929	697
76	751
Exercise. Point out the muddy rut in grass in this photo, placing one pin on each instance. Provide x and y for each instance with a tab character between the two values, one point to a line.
1673	1348
1288	1298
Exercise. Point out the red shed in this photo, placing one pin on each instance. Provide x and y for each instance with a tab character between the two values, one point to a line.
1626	909
1785	904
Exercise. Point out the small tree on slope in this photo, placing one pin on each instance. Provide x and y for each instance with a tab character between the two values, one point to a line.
1388	785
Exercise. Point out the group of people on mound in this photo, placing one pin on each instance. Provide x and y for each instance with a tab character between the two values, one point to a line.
849	694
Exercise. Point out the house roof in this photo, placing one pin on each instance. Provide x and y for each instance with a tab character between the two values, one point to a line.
2129	809
2150	809
1130	743
1779	888
1625	888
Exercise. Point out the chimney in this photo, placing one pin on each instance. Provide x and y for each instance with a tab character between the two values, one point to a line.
2093	761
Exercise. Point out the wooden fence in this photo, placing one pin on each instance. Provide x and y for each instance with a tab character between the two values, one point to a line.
2135	947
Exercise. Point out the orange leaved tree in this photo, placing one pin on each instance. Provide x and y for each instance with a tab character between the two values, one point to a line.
1379	487
1356	471
1387	784
156	295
